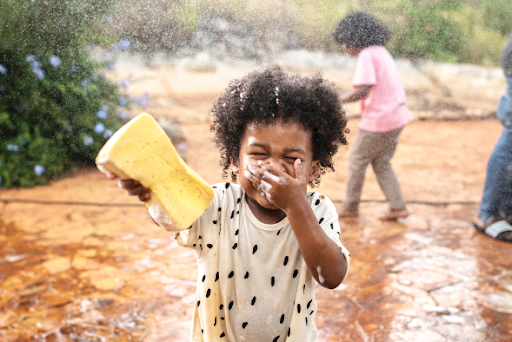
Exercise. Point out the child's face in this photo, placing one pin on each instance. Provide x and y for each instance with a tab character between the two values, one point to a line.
277	144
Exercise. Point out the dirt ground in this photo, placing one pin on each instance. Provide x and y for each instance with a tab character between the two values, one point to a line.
81	261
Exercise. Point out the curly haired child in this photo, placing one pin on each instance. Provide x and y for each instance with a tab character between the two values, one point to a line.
263	244
384	112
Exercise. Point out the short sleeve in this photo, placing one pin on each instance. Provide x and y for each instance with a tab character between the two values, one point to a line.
327	217
365	73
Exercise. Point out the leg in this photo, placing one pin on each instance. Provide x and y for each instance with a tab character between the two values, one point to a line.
384	171
360	157
496	196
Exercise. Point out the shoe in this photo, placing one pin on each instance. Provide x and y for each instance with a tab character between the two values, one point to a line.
394	215
500	230
348	214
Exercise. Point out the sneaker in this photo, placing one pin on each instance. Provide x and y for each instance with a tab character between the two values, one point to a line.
394	215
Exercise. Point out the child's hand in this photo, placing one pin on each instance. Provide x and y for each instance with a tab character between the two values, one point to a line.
132	187
276	185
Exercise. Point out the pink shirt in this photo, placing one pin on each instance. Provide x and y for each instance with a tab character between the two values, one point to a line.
384	107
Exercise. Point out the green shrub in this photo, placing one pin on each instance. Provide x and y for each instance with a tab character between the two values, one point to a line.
497	15
423	29
56	109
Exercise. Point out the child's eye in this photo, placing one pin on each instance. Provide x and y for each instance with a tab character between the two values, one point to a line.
290	159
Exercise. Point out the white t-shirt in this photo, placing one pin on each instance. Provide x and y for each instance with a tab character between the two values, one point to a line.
253	283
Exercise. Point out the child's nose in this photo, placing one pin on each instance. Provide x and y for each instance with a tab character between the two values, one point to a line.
277	163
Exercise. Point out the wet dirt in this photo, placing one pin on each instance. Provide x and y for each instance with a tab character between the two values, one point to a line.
105	272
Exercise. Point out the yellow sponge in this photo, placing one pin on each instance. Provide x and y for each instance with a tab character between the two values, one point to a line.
142	151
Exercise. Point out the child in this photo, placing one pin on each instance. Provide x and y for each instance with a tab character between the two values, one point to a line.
262	244
384	113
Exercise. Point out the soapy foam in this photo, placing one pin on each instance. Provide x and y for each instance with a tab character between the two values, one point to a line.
319	271
158	214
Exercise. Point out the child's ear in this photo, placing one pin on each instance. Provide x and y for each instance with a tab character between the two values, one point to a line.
314	170
235	166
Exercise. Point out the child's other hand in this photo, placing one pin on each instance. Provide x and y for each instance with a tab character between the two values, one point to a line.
132	187
277	186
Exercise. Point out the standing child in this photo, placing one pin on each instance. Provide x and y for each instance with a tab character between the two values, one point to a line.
384	113
262	244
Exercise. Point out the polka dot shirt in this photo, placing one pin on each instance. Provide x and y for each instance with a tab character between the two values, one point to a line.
253	283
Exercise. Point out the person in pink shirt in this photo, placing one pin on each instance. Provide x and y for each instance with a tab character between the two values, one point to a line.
384	113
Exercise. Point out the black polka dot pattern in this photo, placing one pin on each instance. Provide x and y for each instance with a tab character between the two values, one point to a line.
240	239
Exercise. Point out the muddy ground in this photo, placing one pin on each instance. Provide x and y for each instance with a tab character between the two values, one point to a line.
81	261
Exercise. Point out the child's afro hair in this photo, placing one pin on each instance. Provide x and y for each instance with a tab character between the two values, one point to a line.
262	97
361	30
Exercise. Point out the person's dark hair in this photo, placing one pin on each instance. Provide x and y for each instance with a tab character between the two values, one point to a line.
361	30
262	97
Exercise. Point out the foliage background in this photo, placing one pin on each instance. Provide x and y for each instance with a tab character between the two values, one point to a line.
57	109
467	31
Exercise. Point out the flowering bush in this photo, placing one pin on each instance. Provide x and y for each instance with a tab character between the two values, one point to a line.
56	109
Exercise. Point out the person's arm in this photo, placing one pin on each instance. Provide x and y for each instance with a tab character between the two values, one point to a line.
323	257
358	93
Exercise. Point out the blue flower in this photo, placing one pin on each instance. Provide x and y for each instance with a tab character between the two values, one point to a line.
13	147
99	128
2	88
39	73
84	83
55	61
36	66
109	20
122	101
24	142
102	113
108	133
125	43
123	115
104	108
39	170
111	67
74	68
88	140
3	70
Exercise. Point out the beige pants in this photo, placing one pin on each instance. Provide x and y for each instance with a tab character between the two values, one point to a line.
376	148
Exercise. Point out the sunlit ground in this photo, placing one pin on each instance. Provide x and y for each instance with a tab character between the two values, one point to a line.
75	272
